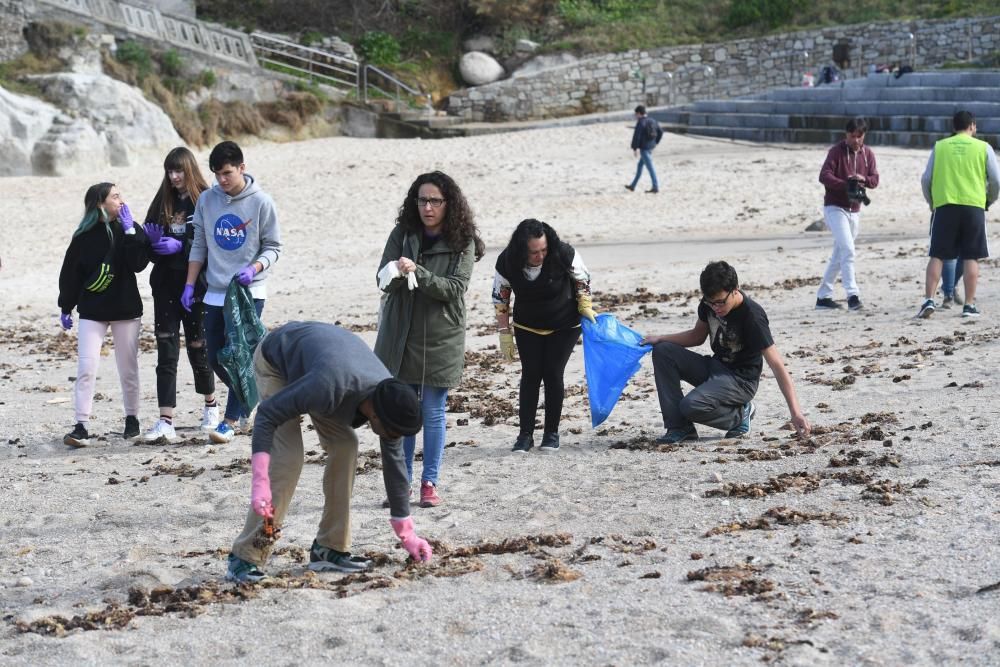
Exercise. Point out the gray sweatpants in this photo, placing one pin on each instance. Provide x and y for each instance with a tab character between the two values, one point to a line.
718	395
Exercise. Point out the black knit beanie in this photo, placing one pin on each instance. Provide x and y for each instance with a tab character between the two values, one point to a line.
397	407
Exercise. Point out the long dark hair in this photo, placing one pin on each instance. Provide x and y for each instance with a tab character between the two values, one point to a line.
179	159
526	230
458	226
92	210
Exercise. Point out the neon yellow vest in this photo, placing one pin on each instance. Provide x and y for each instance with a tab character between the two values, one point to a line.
959	175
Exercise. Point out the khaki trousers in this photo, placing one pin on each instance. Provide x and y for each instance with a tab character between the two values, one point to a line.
340	443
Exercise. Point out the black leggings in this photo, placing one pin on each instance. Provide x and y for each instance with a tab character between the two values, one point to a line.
543	358
169	316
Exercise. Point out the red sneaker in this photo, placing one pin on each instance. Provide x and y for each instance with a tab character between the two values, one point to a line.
428	495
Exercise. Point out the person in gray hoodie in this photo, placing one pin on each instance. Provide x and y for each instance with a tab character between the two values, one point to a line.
236	233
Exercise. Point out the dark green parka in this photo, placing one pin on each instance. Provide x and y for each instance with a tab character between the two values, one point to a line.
421	335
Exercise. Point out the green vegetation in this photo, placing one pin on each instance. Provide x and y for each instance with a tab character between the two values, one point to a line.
133	54
379	48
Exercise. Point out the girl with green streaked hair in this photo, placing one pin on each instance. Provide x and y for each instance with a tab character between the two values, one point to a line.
98	279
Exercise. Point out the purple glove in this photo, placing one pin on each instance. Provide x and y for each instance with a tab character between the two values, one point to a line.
260	485
187	297
167	245
125	217
417	547
153	232
245	275
67	321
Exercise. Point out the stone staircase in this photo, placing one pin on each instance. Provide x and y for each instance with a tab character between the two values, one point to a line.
913	110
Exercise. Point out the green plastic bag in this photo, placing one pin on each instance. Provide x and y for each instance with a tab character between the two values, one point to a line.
243	333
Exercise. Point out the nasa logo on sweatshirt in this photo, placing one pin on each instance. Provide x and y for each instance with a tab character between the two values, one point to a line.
230	232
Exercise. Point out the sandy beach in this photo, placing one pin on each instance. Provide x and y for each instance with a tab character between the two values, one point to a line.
874	542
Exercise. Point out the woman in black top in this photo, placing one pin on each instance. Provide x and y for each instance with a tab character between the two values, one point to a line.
98	279
552	290
170	230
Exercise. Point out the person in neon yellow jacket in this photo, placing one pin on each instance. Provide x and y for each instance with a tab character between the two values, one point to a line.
960	182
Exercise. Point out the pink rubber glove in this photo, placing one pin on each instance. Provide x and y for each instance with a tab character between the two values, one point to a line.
260	486
417	547
187	297
245	275
66	319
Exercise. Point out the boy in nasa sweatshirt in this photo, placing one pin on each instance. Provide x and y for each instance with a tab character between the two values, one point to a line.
236	234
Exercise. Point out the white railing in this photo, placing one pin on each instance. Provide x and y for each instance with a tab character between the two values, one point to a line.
149	22
306	62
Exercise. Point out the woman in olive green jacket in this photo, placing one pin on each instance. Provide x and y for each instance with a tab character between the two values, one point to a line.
424	274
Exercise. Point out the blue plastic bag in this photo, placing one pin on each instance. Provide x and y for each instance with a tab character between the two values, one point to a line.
611	356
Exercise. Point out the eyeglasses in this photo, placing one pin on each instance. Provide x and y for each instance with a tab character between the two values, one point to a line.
434	202
720	303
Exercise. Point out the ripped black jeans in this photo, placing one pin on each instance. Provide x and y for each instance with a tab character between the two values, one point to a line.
169	316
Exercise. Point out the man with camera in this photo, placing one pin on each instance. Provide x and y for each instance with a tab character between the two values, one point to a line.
960	182
848	170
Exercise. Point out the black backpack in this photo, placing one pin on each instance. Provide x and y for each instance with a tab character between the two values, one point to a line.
652	129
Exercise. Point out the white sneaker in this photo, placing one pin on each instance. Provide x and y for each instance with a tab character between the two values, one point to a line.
210	418
246	423
161	429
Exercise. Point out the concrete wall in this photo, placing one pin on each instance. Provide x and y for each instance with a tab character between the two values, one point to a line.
144	21
12	21
175	7
678	75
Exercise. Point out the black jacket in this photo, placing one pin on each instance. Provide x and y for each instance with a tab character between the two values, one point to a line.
169	273
86	252
549	301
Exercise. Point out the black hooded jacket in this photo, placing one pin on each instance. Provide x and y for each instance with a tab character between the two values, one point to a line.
86	252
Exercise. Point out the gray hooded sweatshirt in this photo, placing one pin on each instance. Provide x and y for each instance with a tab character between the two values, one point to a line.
232	232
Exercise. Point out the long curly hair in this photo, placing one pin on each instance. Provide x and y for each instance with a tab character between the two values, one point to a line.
179	159
517	248
458	226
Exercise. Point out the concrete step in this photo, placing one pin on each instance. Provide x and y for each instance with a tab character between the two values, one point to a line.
866	109
853	94
976	78
814	136
940	125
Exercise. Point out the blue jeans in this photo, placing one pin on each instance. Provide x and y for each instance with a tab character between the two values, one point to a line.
432	404
215	340
645	159
951	273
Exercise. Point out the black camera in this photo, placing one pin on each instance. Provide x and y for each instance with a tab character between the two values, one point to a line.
856	191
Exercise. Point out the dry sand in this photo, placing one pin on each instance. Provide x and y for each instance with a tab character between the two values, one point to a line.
868	544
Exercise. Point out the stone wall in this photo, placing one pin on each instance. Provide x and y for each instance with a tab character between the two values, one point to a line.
682	74
12	22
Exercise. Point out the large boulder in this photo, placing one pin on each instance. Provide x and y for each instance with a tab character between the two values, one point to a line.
127	122
478	68
23	121
70	146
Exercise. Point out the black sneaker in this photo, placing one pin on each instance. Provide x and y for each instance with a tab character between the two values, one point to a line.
854	303
676	436
524	442
970	310
131	428
630	188
743	427
652	191
325	559
926	310
827	304
78	437
550	442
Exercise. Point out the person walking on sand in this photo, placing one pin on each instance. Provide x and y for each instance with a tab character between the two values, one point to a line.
236	236
726	382
848	170
170	230
424	274
98	279
330	374
645	137
960	182
551	286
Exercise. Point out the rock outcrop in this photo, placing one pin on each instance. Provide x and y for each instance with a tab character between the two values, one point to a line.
23	122
99	121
